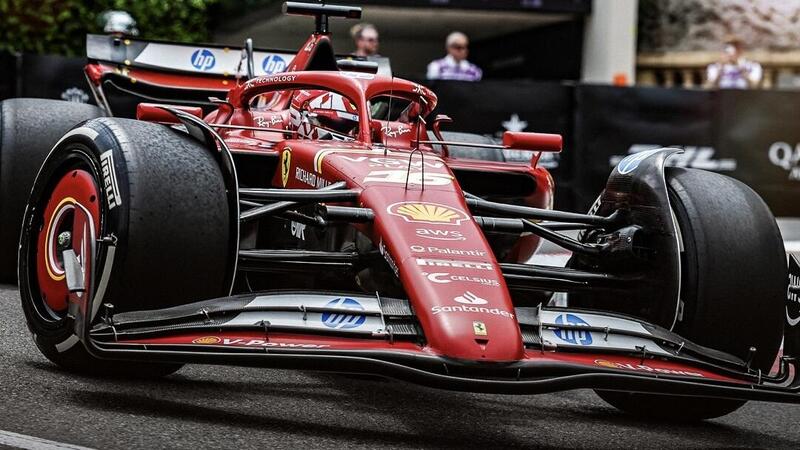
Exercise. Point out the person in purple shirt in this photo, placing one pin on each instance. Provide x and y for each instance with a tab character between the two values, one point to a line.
455	66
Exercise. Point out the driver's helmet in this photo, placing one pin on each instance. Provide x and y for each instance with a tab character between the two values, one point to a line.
318	114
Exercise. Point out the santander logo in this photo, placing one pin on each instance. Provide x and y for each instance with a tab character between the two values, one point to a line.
468	298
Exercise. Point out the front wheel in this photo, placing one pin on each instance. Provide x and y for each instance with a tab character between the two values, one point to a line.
733	282
144	210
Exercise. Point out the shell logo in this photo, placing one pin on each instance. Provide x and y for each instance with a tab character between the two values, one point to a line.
424	212
207	340
604	363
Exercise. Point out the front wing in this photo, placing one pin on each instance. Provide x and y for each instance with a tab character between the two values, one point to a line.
342	332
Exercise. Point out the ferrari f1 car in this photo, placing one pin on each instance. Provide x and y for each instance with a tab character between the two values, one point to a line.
316	219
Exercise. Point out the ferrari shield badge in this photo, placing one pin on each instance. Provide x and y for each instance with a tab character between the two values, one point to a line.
286	163
479	328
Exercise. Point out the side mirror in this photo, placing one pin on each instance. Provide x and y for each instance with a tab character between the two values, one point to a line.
437	124
540	142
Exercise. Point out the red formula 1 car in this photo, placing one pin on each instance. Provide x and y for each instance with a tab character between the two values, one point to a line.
316	220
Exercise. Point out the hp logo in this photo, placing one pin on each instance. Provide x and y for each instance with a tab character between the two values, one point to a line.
573	336
273	64
203	59
343	320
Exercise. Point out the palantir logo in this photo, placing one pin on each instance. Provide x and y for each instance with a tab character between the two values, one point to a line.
573	336
340	320
203	59
273	64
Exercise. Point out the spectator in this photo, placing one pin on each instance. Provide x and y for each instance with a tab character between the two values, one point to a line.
733	71
455	66
365	36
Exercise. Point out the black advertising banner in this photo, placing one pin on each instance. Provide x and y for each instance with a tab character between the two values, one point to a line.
8	76
761	131
493	107
56	77
750	135
613	122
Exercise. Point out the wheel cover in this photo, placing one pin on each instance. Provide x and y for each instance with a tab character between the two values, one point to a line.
73	208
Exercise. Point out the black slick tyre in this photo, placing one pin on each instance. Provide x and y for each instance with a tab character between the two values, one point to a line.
153	202
733	283
29	128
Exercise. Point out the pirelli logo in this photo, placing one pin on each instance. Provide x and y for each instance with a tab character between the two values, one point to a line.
110	179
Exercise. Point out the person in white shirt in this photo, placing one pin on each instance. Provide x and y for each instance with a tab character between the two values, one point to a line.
455	66
365	37
733	71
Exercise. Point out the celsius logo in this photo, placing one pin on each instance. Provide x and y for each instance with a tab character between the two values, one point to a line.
573	336
273	64
203	59
340	320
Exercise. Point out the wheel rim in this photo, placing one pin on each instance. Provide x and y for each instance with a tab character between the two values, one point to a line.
71	220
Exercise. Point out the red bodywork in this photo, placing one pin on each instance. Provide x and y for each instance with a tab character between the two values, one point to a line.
422	224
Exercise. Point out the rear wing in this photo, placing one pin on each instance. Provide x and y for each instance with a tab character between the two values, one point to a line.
123	71
195	59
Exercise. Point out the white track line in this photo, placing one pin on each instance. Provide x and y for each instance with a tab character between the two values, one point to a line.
15	440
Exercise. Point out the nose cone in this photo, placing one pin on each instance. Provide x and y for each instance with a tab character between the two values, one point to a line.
450	275
463	307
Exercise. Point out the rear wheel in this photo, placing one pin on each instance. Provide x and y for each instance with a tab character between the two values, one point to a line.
29	128
144	209
733	280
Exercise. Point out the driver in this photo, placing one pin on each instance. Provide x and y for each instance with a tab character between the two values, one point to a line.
317	114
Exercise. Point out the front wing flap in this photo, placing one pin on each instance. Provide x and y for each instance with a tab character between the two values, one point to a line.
565	348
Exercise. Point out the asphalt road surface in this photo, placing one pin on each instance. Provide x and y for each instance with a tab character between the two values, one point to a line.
230	407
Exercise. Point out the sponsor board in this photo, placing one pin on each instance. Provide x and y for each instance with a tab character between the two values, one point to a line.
783	155
214	340
110	185
446	251
446	278
646	368
428	262
403	176
426	212
440	235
